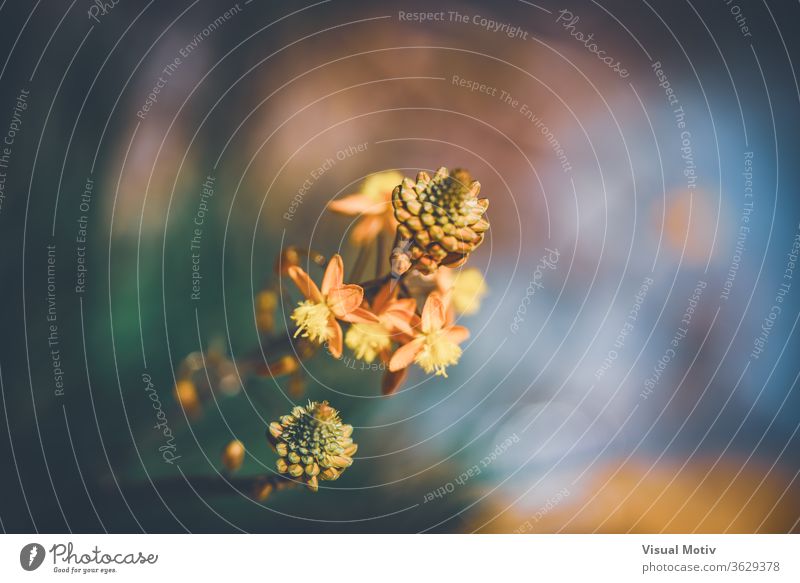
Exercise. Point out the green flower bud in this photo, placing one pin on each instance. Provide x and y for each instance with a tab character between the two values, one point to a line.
313	444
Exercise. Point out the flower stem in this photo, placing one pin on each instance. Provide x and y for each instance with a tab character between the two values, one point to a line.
256	487
380	251
360	264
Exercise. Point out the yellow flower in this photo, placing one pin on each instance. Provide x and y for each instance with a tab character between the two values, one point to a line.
468	289
367	340
438	352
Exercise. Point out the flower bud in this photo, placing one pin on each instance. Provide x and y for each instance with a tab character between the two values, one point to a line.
284	365
441	220
233	455
186	395
313	444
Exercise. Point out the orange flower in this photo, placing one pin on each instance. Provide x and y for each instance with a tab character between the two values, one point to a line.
395	316
373	206
316	317
435	344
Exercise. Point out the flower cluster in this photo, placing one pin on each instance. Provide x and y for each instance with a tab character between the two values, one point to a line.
436	222
441	220
421	232
313	444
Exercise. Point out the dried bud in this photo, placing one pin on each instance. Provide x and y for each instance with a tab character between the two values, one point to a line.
233	455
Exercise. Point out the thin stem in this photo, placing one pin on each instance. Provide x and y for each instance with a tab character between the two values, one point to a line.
380	251
375	283
360	264
257	487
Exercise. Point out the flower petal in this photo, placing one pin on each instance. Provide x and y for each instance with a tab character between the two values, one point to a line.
383	297
345	299
356	204
366	229
334	275
405	355
404	308
400	315
456	334
304	283
434	314
335	341
444	279
360	315
397	324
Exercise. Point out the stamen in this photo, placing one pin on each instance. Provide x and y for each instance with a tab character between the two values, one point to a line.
437	354
367	340
312	320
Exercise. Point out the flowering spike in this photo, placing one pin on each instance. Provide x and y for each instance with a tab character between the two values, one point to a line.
313	444
436	217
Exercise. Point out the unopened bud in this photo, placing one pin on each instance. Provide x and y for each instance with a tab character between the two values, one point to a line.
288	257
186	395
283	366
266	302
263	490
233	455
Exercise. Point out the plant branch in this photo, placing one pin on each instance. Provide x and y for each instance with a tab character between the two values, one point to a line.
256	487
